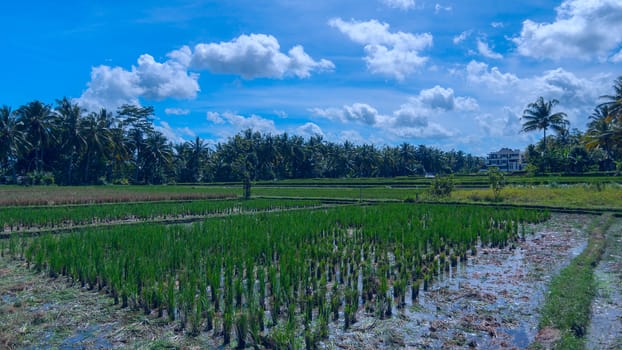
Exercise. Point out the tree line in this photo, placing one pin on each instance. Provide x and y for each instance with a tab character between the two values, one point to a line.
599	148
65	144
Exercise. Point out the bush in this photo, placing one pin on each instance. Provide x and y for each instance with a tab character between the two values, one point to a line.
497	182
121	181
442	186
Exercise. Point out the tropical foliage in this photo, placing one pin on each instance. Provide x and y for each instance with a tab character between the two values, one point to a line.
569	150
67	145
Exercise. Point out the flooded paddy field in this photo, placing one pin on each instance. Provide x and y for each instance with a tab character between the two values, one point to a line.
490	302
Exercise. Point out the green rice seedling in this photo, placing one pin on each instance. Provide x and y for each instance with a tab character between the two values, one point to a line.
241	329
227	326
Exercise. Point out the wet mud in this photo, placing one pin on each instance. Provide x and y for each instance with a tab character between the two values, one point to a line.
490	302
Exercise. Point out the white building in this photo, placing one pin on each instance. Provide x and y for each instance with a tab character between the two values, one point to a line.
506	160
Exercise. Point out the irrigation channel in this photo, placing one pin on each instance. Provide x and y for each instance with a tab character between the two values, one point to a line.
376	276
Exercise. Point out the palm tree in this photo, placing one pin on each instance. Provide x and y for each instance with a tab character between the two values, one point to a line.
614	104
538	116
96	130
158	156
38	123
12	138
600	130
71	139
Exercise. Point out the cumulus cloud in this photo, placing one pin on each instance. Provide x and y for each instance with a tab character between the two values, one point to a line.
111	87
165	80
256	56
309	129
486	51
415	113
239	122
400	4
497	24
507	123
250	56
583	29
493	78
395	54
415	118
566	87
176	111
357	112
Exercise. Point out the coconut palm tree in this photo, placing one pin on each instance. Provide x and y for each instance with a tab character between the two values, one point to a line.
158	156
600	130
538	116
96	130
12	138
37	119
72	141
614	103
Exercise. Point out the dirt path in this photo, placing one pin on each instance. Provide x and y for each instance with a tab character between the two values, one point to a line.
490	303
605	331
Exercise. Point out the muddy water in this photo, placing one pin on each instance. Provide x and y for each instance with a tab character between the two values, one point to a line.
490	302
605	331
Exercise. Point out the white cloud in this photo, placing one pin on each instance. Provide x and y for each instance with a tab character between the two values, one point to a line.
432	130
256	56
309	129
582	28
479	73
486	51
165	80
416	118
507	123
430	102
215	118
111	87
176	111
394	54
357	112
438	8
400	4
565	86
617	57
239	122
497	24
462	37
171	134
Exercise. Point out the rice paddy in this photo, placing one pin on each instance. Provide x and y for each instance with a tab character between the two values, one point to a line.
272	279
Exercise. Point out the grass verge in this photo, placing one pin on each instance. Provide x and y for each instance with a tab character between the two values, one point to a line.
567	306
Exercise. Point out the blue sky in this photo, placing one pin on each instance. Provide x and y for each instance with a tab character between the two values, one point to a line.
449	74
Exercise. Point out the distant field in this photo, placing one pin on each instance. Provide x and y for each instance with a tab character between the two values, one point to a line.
55	195
599	192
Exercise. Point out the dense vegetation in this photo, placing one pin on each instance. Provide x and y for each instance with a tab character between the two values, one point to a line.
570	150
274	278
68	146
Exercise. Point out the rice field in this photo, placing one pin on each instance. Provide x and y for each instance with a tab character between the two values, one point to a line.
27	218
280	278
